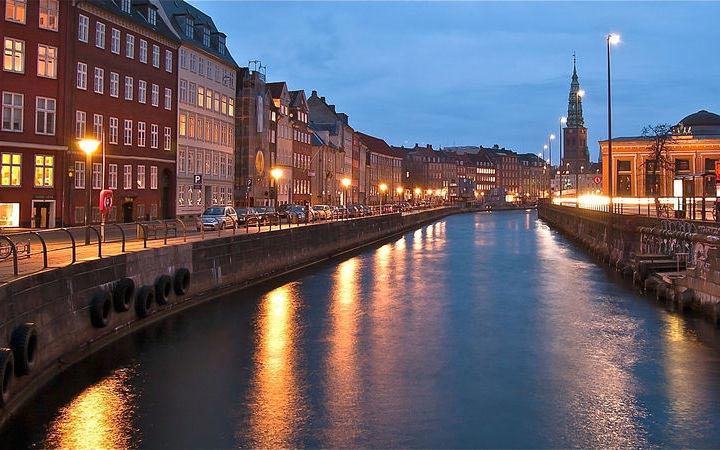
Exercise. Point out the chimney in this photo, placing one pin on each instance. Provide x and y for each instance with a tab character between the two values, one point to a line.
429	146
323	99
332	108
314	94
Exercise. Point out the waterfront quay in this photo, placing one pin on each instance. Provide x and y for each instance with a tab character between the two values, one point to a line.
56	316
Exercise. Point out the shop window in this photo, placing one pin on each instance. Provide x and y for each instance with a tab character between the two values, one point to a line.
624	179
10	169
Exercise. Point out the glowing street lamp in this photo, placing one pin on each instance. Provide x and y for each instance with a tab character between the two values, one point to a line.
383	187
89	146
399	191
417	191
613	39
346	183
276	173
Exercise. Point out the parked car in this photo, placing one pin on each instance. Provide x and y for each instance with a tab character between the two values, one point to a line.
247	216
268	215
217	217
292	213
323	211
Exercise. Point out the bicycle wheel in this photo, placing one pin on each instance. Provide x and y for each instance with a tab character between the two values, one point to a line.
5	251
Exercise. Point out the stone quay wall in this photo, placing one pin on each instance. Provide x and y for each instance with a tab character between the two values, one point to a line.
651	250
54	318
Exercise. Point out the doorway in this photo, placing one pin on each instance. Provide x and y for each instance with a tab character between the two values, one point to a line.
43	214
128	210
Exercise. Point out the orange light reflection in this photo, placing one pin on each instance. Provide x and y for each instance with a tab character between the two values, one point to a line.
100	417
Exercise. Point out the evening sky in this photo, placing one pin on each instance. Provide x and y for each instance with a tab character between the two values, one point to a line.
483	73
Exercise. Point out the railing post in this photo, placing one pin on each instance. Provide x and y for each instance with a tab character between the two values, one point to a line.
122	233
182	224
44	246
72	242
97	232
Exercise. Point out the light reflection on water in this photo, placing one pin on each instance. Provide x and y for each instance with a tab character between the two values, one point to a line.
485	330
100	417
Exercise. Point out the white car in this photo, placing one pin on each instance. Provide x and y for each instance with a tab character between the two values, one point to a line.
218	217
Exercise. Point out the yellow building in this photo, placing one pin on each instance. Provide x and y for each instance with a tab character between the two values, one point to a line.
692	151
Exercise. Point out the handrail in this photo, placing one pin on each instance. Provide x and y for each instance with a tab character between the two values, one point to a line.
44	246
14	252
202	228
218	225
234	225
145	233
72	241
99	240
184	229
167	230
122	233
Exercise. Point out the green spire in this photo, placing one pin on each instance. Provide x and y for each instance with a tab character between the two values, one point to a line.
575	114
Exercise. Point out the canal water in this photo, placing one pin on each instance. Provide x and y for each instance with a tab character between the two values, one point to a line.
478	330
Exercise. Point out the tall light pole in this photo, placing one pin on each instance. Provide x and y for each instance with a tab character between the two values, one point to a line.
563	121
276	173
611	39
346	183
383	188
88	146
399	191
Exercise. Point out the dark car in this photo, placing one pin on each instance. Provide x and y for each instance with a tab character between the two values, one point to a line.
247	216
268	215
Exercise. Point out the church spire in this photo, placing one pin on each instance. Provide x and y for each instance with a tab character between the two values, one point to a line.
575	114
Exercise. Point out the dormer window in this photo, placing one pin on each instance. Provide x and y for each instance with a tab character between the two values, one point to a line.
125	6
189	26
206	36
152	16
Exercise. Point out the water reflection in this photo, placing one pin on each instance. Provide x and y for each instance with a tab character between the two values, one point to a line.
100	417
342	376
276	404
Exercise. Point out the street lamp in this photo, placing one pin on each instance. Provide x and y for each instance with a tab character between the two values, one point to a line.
399	191
89	146
383	188
346	182
276	173
611	39
563	121
418	191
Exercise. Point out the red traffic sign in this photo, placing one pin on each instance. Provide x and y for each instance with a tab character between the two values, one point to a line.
106	200
597	179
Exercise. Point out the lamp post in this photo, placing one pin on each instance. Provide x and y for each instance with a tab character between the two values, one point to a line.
346	183
383	188
89	146
611	39
399	191
563	121
276	173
417	191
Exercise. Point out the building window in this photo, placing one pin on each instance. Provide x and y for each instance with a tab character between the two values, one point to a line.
81	76
181	160
48	14
201	97
79	175
168	98
168	138
47	61
223	104
624	179
208	98
189	25
191	126
114	84
142	91
112	176
99	84
44	115
168	61
143	51
127	176
183	91
97	126
153	177
14	56
216	102
44	170
125	5
80	124
156	56
115	41
113	137
231	107
193	94
97	176
99	35
83	28
201	65
130	46
206	36
10	169
128	88
152	16
127	132
193	64
15	10
182	124
154	135
141	177
141	134
155	100
12	112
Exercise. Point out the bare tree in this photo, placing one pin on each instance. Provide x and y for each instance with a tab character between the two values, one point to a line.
660	139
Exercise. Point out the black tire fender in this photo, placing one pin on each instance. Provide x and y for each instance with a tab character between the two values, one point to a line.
123	294
101	308
6	372
163	289
144	301
181	282
24	346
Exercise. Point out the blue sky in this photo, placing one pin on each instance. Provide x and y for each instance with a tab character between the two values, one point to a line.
484	73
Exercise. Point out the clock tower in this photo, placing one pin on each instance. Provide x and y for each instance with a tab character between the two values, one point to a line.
575	134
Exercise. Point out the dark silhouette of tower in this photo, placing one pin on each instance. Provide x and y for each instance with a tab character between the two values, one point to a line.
576	153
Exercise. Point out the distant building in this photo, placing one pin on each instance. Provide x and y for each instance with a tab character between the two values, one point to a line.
283	157
302	173
384	167
692	151
575	148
